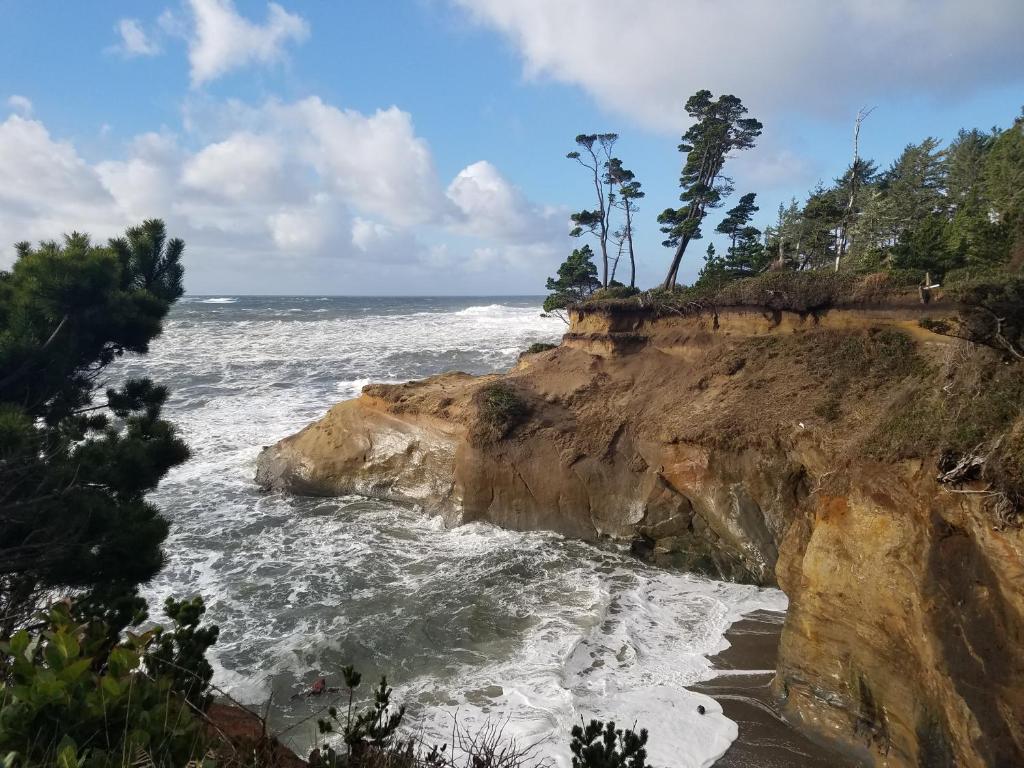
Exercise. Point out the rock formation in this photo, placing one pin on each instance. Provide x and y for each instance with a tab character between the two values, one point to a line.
796	450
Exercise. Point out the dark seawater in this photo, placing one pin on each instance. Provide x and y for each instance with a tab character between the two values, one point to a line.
487	623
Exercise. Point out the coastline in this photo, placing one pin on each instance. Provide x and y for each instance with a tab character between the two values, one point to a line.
741	686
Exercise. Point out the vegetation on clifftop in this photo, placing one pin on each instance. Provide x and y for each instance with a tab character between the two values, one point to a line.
936	216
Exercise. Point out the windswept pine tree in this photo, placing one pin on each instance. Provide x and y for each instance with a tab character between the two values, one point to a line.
720	128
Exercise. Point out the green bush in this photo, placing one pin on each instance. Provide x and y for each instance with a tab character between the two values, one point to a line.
614	292
539	346
501	408
70	696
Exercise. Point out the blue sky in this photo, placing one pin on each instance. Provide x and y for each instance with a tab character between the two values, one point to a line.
417	146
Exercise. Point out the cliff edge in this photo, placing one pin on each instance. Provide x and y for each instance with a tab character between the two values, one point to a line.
861	463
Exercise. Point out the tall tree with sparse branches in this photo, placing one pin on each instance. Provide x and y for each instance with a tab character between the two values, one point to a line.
719	129
629	192
595	154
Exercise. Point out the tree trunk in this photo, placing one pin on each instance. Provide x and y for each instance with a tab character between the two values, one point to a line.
673	270
629	239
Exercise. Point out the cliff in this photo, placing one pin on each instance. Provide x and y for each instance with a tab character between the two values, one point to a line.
797	449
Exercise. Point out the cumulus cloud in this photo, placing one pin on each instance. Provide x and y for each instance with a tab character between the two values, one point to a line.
244	167
376	161
259	187
489	206
644	58
223	40
46	188
20	105
133	39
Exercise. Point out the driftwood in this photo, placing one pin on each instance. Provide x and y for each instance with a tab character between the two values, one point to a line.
967	468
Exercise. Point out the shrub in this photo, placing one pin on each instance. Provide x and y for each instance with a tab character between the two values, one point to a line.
369	731
539	346
501	408
614	292
992	313
71	697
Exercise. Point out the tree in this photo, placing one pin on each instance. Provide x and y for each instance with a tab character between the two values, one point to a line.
783	239
1004	178
821	220
719	129
596	160
854	178
975	235
915	184
76	462
629	193
576	281
745	255
737	218
713	275
600	745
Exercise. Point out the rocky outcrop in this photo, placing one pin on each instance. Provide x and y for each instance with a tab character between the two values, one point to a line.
770	447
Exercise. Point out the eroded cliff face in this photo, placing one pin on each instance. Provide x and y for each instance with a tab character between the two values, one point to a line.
761	447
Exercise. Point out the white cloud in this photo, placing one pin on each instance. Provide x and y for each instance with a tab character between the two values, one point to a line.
223	40
134	40
377	161
490	206
309	228
46	188
243	168
20	104
643	58
272	191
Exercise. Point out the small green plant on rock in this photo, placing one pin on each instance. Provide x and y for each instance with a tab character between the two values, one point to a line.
371	730
501	408
538	347
601	745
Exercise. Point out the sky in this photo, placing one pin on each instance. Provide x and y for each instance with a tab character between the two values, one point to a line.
411	147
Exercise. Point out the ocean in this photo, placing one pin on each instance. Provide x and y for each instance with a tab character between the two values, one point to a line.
526	631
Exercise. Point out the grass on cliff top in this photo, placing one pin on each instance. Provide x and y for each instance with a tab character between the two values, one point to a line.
808	291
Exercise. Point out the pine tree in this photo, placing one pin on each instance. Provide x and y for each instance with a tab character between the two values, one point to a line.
576	281
719	129
76	462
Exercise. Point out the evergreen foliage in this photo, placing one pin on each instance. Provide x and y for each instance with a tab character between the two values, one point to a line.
76	460
373	729
576	281
719	129
601	745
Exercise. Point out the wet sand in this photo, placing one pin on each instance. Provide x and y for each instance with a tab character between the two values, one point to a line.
765	739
